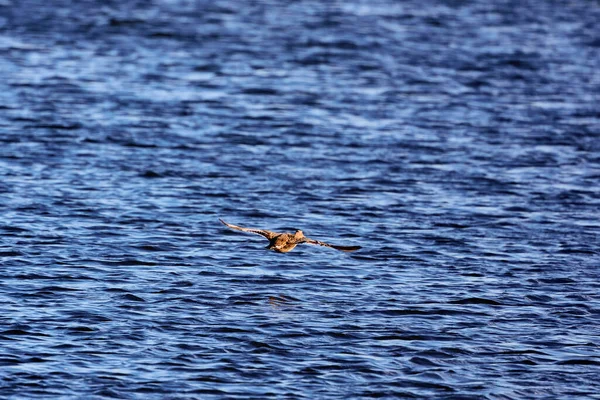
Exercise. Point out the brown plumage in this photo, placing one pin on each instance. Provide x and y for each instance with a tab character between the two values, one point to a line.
284	242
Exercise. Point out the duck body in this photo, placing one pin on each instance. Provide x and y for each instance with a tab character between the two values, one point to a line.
285	242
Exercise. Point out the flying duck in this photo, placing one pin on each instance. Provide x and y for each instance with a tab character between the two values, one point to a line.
284	242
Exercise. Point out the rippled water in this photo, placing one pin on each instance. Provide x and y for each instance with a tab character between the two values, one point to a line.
458	142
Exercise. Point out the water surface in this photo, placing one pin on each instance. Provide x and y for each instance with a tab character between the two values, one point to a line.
458	142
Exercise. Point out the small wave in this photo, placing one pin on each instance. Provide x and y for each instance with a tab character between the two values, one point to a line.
476	300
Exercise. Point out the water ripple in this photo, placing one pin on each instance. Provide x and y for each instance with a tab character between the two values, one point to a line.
457	142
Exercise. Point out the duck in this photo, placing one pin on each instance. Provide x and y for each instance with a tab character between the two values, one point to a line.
286	242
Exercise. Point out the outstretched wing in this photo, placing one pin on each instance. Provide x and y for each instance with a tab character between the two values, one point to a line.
333	246
268	234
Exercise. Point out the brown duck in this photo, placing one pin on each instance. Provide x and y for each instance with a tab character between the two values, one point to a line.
284	242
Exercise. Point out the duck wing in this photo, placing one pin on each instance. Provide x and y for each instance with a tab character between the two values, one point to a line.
268	234
333	246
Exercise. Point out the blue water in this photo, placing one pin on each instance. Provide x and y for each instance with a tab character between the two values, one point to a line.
458	142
